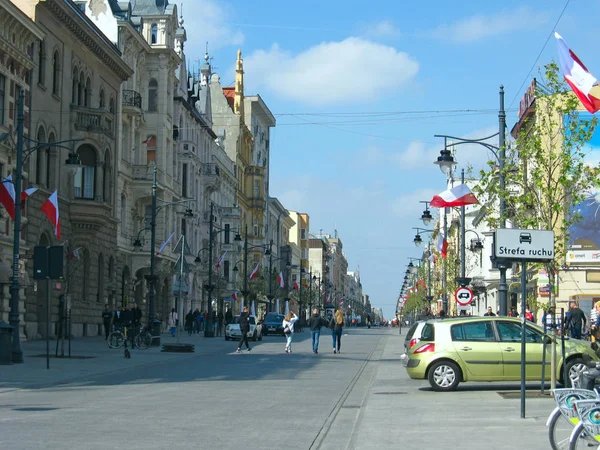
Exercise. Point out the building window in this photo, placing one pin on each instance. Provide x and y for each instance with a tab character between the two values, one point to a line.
184	180
226	270
102	100
183	226
256	189
154	34
100	293
86	174
150	149
87	93
152	95
55	73
123	214
227	230
111	105
75	86
255	226
2	98
106	182
80	89
51	161
42	64
40	158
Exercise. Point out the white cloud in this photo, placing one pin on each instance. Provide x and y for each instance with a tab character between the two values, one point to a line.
205	21
483	26
383	29
330	72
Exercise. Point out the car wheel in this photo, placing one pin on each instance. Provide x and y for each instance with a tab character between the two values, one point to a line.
444	376
574	368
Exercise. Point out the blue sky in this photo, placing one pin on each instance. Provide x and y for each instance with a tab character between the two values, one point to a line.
360	88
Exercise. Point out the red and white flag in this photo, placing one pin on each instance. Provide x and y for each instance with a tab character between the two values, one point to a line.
459	195
7	196
234	296
221	259
432	258
27	192
280	280
50	208
147	140
577	75
254	273
162	247
296	286
442	245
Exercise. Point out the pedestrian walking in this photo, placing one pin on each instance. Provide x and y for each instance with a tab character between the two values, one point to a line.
106	318
489	312
315	322
575	321
189	322
196	325
288	330
337	325
173	322
244	329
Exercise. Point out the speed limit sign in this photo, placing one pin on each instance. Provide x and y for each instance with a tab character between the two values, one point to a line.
463	296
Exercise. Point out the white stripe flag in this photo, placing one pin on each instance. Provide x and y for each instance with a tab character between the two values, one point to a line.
221	259
254	273
460	195
162	247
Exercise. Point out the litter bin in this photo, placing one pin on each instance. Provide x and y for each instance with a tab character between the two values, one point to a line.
6	331
155	330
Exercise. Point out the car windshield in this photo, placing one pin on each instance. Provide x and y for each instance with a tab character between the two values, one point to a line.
274	318
236	319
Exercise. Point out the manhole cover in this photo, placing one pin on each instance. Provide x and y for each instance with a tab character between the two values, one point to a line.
517	394
64	357
34	408
390	393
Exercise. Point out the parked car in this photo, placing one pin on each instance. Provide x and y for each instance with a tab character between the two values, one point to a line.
232	330
412	338
454	350
273	324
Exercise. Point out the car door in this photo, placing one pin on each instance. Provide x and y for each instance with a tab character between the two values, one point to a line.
509	333
478	350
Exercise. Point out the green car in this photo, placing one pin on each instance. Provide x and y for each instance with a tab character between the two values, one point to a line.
488	349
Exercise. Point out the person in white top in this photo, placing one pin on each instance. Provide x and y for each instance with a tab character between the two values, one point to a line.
173	321
288	329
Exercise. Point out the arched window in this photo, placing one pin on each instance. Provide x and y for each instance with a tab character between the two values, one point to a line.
111	272
87	93
86	173
100	293
80	87
106	182
75	86
154	34
40	160
51	159
101	103
56	73
123	214
152	95
111	105
42	63
255	226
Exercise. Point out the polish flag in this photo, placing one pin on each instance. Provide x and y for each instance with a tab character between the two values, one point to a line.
432	258
280	280
50	208
162	247
234	296
27	192
147	140
221	259
459	195
254	273
442	245
7	196
577	75
296	286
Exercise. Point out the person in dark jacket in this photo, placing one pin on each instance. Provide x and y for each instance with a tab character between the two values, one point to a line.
118	317
136	315
189	322
106	318
315	322
244	328
575	321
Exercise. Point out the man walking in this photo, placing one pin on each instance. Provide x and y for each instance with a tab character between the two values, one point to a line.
244	328
106	317
575	320
136	315
489	312
315	322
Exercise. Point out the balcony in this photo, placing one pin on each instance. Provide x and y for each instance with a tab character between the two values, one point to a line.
132	101
210	177
92	120
256	202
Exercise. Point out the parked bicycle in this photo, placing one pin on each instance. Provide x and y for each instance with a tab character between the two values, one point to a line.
141	338
587	432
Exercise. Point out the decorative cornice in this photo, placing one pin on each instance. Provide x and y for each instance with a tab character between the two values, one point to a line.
87	33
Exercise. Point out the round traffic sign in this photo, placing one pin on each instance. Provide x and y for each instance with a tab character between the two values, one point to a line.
463	296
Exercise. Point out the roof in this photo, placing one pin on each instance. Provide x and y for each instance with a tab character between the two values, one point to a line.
229	93
143	7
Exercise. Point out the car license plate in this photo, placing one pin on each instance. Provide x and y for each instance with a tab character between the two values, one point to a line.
271	328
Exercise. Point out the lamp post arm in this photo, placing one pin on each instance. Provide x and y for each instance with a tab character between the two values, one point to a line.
29	151
480	141
165	204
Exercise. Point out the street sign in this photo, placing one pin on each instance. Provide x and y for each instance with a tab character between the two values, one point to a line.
524	245
463	296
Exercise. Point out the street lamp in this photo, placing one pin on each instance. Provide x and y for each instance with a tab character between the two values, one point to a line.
426	216
21	156
247	247
446	162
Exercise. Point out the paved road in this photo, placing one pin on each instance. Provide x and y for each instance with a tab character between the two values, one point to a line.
266	399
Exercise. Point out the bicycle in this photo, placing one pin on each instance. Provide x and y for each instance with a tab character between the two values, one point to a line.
141	337
116	338
587	432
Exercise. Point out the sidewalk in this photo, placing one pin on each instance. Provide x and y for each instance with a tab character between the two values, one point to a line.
90	356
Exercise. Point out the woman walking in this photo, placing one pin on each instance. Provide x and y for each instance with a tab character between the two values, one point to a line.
337	324
173	321
288	329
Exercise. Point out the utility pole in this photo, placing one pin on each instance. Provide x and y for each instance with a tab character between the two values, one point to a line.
502	287
208	329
